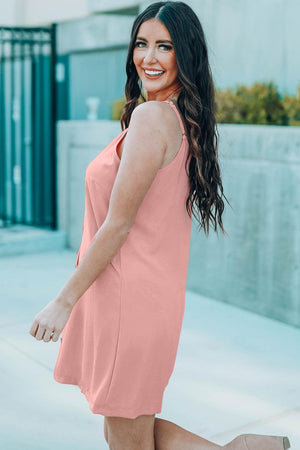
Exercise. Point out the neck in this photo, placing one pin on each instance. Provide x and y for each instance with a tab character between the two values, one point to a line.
161	96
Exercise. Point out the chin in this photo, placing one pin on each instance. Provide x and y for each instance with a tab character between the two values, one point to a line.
151	87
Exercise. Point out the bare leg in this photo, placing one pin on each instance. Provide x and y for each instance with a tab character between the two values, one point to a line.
130	434
169	436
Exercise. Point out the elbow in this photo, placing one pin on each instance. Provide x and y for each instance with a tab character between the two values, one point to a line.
117	227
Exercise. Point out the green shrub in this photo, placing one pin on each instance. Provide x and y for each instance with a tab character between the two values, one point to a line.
227	108
292	108
117	107
256	104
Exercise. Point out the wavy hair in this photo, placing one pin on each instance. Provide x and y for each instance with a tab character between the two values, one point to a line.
196	102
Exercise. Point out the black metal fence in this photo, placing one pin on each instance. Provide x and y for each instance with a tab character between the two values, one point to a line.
27	126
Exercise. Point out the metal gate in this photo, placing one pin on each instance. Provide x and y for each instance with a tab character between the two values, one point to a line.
27	127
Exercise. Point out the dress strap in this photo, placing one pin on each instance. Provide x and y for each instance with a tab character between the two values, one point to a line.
178	116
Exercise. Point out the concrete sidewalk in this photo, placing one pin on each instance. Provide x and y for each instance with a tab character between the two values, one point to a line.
236	372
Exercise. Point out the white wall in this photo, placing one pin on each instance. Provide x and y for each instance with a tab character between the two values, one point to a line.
93	32
37	12
8	12
54	11
248	40
108	5
251	40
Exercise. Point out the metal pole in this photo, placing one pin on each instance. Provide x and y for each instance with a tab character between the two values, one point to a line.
12	134
22	137
53	124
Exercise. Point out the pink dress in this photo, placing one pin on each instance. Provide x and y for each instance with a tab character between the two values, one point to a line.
120	342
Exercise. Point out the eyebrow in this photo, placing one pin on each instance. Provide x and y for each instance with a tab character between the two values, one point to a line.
160	41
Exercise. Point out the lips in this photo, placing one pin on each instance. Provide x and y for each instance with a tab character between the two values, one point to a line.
153	73
152	69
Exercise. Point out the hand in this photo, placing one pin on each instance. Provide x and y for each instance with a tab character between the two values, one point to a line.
50	321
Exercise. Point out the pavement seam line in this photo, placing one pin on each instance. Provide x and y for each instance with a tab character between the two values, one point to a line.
27	355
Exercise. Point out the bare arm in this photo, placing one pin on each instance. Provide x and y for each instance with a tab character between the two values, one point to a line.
142	156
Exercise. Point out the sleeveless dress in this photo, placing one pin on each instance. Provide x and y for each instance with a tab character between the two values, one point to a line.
120	342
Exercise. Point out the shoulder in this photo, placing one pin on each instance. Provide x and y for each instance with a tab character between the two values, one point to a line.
152	108
147	136
152	113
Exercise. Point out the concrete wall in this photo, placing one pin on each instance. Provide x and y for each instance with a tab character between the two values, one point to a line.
245	44
111	5
251	41
248	41
93	33
78	142
8	13
97	51
257	265
37	12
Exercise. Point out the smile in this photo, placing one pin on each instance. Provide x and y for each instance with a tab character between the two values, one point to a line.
153	73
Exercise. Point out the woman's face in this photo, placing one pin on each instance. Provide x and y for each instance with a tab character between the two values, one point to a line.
155	61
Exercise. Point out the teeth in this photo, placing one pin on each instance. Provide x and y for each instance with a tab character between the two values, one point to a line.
153	72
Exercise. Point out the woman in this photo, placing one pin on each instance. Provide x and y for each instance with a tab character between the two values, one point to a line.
122	309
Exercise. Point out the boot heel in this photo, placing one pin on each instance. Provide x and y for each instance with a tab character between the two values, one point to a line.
286	443
258	441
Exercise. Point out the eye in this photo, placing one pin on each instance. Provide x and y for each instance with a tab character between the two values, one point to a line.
166	47
140	44
137	44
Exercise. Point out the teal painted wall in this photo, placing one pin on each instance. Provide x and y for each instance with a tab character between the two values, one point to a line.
96	74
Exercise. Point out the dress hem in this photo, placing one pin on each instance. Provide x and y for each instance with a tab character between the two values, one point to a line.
104	411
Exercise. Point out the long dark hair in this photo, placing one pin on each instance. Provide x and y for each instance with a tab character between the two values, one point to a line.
196	102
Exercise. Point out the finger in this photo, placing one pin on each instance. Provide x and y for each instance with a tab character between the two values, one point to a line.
47	335
40	333
55	335
34	328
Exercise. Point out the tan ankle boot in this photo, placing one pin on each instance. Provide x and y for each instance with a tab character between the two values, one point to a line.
258	442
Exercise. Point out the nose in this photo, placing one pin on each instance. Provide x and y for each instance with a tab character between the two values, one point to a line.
150	55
